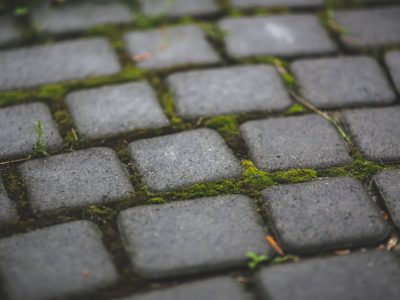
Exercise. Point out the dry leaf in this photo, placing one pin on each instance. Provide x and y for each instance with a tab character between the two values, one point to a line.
274	245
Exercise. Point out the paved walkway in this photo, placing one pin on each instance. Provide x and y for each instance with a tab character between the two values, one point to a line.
200	149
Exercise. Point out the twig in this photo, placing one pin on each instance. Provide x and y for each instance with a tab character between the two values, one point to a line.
15	161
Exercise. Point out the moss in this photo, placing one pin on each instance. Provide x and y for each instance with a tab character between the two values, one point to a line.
99	213
52	91
253	177
295	176
213	32
226	125
156	200
296	109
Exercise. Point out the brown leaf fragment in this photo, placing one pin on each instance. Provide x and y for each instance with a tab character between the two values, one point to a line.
270	239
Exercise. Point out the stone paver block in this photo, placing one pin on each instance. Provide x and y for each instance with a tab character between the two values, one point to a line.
276	3
7	209
107	111
285	36
192	236
77	16
370	275
228	91
75	179
393	62
171	47
344	81
294	142
9	31
388	185
177	160
17	134
55	262
376	131
324	214
221	288
30	67
177	8
369	27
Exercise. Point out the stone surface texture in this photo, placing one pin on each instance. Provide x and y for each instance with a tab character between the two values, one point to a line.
177	8
112	110
276	3
9	31
7	209
393	62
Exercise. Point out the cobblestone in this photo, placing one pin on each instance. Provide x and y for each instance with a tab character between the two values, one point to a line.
9	31
134	105
178	8
370	275
171	47
344	81
55	262
322	215
221	288
7	209
369	28
34	66
197	235
276	3
79	16
75	179
393	62
178	160
228	91
376	132
17	133
285	36
388	185
294	142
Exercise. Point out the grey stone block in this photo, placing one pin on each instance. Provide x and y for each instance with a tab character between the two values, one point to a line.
276	3
393	62
228	91
107	111
285	36
75	179
325	214
55	262
295	142
7	209
376	131
17	134
177	160
388	185
171	47
30	67
343	81
77	16
371	275
9	31
177	8
220	288
369	28
192	236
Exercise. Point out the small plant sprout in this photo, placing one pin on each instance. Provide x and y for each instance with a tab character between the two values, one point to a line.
255	259
40	148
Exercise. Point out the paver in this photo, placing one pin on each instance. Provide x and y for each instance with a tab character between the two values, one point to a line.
9	31
192	236
221	288
343	81
134	106
177	160
369	28
376	131
17	134
228	91
388	185
370	275
325	214
55	262
276	3
170	47
295	142
74	179
7	209
77	16
285	36
393	62
78	59
177	8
